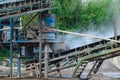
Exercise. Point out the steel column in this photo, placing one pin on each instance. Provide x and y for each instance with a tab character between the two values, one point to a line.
11	47
40	43
19	65
0	25
0	33
0	28
46	61
115	30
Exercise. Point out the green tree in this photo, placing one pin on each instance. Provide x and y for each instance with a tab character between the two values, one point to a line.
74	14
68	13
27	18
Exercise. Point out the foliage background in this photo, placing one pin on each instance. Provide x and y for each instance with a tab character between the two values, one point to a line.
77	14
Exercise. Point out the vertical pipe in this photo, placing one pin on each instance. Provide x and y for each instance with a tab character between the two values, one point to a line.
18	66
115	30
115	61
40	43
11	51
46	61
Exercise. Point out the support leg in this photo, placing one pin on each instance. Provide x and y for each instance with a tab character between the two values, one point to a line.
46	61
40	43
1	46
0	28
58	65
19	65
11	51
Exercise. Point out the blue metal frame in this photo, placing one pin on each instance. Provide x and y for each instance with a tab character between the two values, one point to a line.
19	65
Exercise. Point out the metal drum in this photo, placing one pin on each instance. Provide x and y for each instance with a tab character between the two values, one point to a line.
50	20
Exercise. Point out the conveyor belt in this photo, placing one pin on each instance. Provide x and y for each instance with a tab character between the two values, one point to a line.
82	51
22	7
81	56
95	47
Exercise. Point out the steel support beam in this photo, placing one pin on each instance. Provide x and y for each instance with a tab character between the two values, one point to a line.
115	30
0	28
11	47
0	25
19	65
46	61
40	43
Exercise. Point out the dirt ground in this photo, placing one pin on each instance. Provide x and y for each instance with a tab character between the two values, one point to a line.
101	77
107	67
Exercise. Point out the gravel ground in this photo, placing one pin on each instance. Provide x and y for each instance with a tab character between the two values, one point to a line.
107	67
101	77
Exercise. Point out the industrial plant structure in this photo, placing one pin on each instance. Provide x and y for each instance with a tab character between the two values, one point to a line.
43	47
